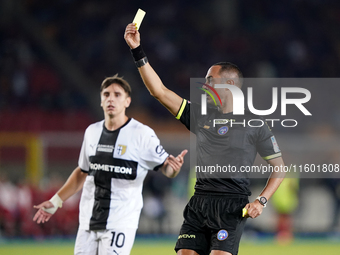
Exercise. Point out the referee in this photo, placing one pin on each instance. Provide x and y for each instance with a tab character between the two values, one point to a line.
213	222
115	157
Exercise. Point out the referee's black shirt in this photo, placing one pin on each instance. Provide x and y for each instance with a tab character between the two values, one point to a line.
231	147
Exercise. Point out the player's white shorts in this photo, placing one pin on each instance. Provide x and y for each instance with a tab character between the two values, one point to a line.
104	242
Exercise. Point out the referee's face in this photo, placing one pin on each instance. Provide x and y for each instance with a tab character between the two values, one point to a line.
114	100
214	77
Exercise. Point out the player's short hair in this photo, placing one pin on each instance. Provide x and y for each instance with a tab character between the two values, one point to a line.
230	67
117	80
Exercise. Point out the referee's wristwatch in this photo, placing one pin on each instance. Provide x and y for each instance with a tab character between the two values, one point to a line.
263	200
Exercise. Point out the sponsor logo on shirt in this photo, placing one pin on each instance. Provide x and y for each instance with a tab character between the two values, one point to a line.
160	150
105	148
111	168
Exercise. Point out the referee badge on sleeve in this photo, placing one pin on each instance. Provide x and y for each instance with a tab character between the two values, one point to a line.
275	145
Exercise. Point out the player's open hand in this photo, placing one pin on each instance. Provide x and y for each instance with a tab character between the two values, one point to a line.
132	36
254	209
41	216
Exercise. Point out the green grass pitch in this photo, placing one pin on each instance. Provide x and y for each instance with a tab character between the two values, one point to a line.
156	247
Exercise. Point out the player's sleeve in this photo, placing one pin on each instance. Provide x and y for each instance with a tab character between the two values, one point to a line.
153	154
267	145
187	114
83	161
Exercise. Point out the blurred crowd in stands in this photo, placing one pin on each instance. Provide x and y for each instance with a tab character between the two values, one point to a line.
181	38
17	200
16	211
33	96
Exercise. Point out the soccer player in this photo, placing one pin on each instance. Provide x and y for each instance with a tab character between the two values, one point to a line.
115	157
213	221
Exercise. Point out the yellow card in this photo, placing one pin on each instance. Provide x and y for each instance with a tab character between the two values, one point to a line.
244	212
139	18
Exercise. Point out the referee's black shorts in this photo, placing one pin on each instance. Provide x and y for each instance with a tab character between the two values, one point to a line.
212	222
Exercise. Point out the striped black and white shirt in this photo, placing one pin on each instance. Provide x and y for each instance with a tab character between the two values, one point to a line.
117	163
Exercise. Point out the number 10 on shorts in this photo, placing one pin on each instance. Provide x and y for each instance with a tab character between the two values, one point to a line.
118	240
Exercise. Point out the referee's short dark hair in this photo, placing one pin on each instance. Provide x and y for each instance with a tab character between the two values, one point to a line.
118	80
230	67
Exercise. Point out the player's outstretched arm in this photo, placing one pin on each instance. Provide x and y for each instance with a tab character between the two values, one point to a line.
172	165
273	183
150	78
73	184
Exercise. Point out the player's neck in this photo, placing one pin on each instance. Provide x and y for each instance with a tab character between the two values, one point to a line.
115	122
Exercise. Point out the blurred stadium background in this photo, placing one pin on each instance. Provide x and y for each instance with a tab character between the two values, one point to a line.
54	55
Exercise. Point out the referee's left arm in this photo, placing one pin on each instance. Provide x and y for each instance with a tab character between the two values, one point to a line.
255	208
274	179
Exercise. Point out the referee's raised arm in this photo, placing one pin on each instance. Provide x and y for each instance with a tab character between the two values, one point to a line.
150	78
